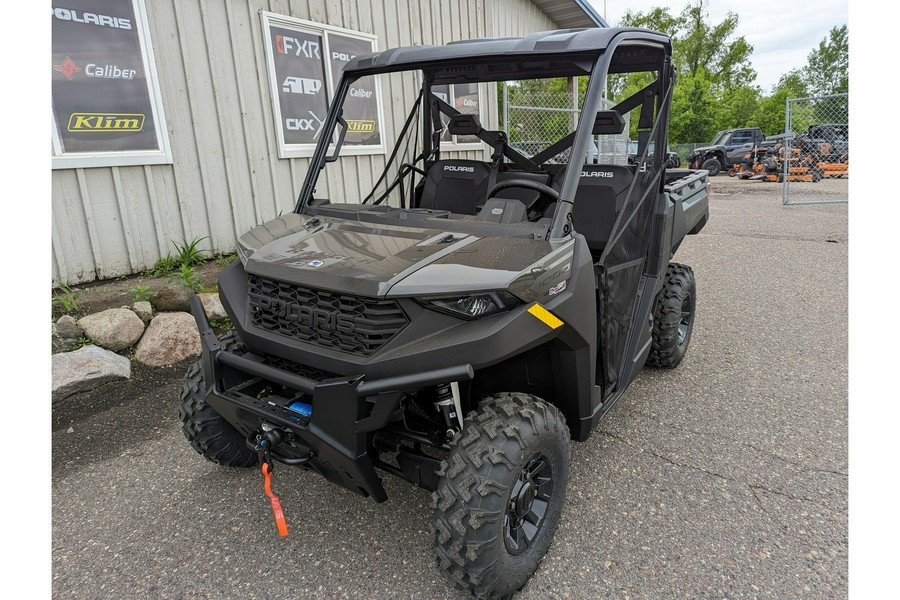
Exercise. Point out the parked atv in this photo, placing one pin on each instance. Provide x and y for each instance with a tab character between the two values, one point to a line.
456	322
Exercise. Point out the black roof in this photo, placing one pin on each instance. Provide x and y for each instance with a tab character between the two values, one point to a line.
559	41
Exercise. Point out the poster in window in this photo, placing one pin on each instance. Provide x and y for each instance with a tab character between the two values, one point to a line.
103	97
443	92
466	101
299	67
361	104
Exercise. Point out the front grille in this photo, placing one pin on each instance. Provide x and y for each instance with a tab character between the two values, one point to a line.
330	319
284	364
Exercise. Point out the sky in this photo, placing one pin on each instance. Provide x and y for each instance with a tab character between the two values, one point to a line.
782	32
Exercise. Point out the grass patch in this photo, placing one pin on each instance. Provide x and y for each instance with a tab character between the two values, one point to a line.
140	293
67	299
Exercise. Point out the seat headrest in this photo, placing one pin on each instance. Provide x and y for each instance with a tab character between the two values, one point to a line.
464	125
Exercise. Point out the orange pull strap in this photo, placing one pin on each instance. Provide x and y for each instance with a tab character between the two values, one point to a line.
276	504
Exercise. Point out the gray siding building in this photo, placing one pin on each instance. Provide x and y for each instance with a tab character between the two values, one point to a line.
215	166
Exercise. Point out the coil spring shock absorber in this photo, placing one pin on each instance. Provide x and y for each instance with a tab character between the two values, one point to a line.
445	404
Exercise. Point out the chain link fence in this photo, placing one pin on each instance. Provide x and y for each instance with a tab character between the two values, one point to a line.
534	117
814	158
685	150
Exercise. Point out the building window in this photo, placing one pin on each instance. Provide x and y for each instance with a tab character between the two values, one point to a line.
105	93
305	61
467	99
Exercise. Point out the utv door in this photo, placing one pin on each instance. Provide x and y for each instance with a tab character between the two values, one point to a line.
629	264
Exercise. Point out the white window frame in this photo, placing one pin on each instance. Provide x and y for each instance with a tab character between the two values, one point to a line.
452	145
163	156
312	27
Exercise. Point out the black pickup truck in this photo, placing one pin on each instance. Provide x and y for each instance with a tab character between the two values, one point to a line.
728	148
828	140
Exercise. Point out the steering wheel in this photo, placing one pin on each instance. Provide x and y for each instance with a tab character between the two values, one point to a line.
547	194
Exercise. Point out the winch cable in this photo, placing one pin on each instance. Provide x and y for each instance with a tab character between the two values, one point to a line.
276	503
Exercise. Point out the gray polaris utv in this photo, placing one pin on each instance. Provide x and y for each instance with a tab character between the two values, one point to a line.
458	317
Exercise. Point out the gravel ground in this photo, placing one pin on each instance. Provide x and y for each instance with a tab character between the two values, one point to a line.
724	478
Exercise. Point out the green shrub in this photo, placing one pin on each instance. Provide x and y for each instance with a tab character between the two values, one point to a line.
189	253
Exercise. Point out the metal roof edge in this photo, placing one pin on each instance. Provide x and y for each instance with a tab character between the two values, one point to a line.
560	12
591	12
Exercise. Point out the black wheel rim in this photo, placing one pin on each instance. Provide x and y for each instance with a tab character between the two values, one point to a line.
528	504
684	325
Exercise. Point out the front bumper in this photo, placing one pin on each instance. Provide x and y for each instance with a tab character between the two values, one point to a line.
346	411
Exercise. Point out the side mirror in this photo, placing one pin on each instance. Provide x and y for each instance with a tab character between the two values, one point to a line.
608	122
340	142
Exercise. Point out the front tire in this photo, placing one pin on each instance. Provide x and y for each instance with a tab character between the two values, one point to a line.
712	165
673	317
206	430
501	493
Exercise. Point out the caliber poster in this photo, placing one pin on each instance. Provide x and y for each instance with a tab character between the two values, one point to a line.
100	93
361	104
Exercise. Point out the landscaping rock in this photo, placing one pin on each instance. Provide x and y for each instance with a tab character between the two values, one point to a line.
213	306
144	310
170	338
85	369
114	329
173	297
66	334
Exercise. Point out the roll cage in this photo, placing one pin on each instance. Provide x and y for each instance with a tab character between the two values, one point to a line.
614	51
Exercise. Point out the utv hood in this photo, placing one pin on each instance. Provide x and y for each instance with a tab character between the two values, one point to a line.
372	260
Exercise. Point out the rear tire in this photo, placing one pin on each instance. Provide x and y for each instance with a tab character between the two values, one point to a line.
206	430
673	317
501	493
712	165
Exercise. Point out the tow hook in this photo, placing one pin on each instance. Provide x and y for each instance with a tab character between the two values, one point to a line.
265	443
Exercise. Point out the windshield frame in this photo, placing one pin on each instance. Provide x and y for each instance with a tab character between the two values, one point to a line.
597	72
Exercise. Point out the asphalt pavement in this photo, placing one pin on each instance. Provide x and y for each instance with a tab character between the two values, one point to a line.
723	478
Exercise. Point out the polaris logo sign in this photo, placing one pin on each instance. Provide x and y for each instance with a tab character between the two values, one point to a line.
304	315
597	174
68	14
459	169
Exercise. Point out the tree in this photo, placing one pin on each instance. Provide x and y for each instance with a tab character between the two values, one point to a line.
714	83
696	45
692	117
737	107
770	112
828	64
702	46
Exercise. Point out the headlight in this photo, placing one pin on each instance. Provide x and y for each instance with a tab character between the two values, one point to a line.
473	307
